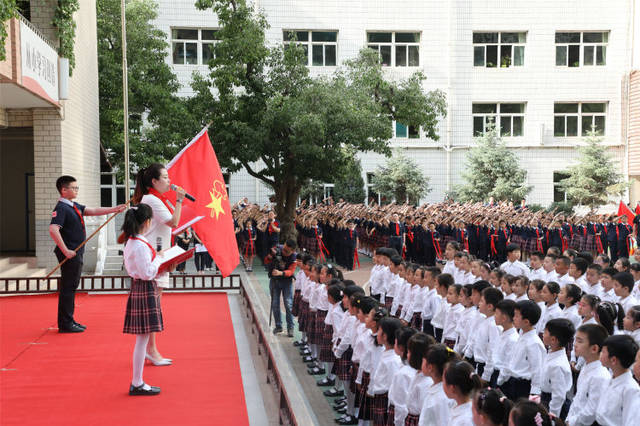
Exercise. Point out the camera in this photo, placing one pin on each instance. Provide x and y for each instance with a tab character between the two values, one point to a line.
277	262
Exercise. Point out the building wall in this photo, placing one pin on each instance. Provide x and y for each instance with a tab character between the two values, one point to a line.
68	141
446	57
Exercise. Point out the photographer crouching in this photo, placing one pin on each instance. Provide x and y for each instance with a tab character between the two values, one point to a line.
281	264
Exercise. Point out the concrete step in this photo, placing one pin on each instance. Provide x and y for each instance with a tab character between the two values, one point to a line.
14	270
4	262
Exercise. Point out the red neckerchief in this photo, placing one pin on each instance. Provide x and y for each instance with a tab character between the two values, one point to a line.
564	243
410	233
538	242
270	229
153	251
570	230
397	229
598	240
250	245
162	197
436	245
79	213
350	234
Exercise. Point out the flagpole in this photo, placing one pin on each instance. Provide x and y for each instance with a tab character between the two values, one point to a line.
125	100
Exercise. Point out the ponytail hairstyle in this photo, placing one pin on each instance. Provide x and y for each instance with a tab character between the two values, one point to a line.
494	405
462	376
333	271
418	346
144	180
133	221
529	413
606	315
402	339
439	355
388	325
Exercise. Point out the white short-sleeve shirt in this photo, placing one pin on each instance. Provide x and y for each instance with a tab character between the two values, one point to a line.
159	229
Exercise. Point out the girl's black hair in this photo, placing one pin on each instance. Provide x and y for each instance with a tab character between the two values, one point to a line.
592	300
467	289
335	292
134	218
144	180
609	315
317	267
554	287
403	335
624	261
389	326
439	355
634	311
418	345
493	404
574	293
529	413
350	290
462	375
457	288
333	271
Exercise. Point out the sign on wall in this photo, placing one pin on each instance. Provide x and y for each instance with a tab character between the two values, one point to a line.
39	64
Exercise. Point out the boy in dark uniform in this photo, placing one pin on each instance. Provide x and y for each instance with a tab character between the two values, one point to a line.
396	238
68	231
624	231
351	244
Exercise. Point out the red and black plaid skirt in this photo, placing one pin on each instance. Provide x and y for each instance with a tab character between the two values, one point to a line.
297	298
311	326
412	420
380	406
144	313
352	382
531	245
577	242
391	413
318	324
416	321
343	365
303	316
365	401
590	243
326	345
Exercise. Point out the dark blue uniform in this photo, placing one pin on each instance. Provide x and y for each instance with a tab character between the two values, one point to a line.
68	215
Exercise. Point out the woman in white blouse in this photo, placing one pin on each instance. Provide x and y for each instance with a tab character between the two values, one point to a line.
151	185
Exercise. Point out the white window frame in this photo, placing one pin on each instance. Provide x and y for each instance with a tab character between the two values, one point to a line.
580	117
199	42
499	45
394	45
582	45
309	43
497	118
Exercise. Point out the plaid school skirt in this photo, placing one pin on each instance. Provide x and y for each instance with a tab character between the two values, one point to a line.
577	242
590	243
303	316
517	239
412	420
343	365
366	402
311	327
144	313
352	382
380	406
531	245
326	344
391	413
297	298
416	321
318	330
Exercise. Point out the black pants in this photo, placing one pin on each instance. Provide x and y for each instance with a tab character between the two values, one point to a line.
516	388
200	260
396	243
70	271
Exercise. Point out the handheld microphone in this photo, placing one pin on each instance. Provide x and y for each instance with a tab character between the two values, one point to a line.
187	196
159	244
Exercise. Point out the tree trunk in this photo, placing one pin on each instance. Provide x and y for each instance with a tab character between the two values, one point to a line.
286	199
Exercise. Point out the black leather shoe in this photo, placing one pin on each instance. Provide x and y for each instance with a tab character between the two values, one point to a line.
80	325
349	420
290	332
305	352
340	405
315	371
308	358
277	330
71	329
326	382
140	390
342	410
333	392
299	343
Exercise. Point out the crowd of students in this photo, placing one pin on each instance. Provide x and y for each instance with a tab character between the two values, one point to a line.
550	342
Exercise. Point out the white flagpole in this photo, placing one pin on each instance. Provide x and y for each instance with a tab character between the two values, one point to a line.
125	100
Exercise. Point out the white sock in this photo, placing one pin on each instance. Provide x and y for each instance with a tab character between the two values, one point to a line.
139	352
351	401
327	368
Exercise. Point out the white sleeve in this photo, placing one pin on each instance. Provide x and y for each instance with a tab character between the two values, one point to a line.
160	212
536	356
630	405
494	334
558	390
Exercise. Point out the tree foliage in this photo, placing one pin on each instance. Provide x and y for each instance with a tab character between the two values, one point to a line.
595	177
401	179
286	128
492	170
7	11
159	121
349	185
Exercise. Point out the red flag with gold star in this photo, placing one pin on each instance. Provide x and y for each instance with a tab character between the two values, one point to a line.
196	169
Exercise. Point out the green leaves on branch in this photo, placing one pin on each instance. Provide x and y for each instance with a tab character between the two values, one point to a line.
492	170
66	29
401	179
7	11
594	179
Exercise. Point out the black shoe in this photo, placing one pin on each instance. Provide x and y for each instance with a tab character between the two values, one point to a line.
339	400
277	330
71	329
315	371
140	390
290	332
326	382
339	405
308	358
333	392
342	410
305	352
313	364
298	343
80	325
349	420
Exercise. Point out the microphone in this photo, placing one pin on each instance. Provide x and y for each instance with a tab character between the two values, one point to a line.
187	196
159	244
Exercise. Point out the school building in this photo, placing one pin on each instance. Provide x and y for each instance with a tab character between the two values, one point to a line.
544	71
49	126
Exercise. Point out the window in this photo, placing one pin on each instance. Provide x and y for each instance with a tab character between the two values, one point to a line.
576	119
322	45
502	50
192	46
396	49
403	131
372	196
581	48
559	195
509	117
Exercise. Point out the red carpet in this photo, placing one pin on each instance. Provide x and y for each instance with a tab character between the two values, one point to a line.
83	379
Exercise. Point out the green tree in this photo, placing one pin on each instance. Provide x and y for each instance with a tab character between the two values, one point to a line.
401	179
312	191
159	121
7	11
595	177
284	127
492	170
349	184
